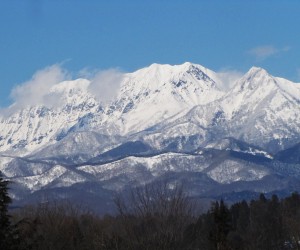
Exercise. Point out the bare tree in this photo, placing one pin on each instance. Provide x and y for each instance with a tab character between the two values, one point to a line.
155	216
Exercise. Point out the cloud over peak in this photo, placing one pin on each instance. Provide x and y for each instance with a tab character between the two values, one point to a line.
103	85
229	77
106	84
36	90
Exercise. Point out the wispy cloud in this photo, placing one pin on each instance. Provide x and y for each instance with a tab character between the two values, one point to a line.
106	84
263	52
228	77
36	90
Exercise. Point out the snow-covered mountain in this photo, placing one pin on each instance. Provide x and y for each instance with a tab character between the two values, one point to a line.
263	110
180	121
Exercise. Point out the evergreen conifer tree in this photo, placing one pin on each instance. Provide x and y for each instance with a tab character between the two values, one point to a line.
5	228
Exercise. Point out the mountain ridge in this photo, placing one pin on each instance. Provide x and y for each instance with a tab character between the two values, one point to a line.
153	95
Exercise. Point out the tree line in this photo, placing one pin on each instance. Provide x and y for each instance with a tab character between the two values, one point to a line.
153	217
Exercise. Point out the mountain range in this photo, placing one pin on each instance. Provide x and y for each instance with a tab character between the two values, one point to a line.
180	124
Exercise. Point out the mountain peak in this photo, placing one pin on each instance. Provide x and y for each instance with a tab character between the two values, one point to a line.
255	78
257	70
176	68
156	76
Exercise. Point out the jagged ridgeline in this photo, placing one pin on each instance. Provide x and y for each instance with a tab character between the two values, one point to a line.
177	123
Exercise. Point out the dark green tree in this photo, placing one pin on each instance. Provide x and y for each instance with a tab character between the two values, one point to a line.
291	217
265	228
240	222
222	225
5	227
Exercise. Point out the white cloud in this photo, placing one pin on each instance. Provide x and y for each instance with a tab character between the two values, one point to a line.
106	84
36	91
263	52
229	76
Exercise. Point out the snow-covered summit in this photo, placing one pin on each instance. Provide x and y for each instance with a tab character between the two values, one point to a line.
161	91
263	109
158	77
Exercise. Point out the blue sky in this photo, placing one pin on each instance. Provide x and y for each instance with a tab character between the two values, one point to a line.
95	34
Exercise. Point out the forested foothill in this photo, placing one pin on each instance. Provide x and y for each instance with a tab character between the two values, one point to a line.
153	217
